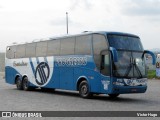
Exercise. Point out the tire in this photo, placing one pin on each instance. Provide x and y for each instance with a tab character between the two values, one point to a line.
113	95
19	83
25	84
84	90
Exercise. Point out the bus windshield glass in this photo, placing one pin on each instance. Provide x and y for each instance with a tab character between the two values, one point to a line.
125	42
130	62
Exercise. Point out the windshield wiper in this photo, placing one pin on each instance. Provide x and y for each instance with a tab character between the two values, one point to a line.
129	68
138	71
132	65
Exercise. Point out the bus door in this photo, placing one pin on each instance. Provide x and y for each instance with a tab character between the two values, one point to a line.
105	70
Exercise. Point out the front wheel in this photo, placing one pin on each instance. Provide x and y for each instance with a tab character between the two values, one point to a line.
84	90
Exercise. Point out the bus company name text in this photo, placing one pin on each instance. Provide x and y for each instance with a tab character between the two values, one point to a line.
71	61
22	63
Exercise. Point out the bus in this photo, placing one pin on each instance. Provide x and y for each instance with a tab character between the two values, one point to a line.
102	62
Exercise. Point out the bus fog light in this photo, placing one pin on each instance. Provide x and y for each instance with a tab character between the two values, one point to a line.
118	83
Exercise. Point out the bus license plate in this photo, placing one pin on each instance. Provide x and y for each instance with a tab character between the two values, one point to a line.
133	90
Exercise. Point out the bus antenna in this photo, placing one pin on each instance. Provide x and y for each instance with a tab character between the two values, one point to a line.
67	21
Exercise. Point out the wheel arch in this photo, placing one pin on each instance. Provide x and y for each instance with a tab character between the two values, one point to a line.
79	80
24	76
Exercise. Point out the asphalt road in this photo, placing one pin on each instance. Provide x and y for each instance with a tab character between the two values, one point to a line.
12	99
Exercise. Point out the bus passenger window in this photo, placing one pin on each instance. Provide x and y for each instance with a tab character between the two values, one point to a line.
20	51
53	47
31	50
83	45
41	49
67	46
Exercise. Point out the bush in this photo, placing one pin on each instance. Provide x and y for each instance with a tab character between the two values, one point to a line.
152	74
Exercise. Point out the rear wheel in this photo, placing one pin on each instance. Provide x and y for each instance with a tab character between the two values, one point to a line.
25	84
113	95
84	90
19	83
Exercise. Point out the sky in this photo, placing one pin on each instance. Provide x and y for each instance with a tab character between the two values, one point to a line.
27	20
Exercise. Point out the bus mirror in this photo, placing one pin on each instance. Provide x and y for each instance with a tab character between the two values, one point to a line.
114	54
152	54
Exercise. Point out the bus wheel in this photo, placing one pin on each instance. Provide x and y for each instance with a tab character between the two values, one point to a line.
25	84
84	90
19	83
113	95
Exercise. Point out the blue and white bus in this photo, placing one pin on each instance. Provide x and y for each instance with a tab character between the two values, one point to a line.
110	63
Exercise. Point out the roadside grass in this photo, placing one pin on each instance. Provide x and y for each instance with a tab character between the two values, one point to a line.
152	74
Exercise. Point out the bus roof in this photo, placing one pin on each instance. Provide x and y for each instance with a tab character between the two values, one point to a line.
96	32
83	33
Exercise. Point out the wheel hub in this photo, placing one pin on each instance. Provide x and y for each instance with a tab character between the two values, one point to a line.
84	89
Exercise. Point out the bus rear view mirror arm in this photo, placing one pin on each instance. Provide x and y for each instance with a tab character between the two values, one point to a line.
152	54
114	54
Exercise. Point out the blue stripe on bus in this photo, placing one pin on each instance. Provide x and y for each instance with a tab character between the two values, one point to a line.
37	60
31	63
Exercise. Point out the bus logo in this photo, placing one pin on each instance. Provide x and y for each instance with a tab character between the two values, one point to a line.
42	73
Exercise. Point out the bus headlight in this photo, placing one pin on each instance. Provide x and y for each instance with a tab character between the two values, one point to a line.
142	81
119	82
136	82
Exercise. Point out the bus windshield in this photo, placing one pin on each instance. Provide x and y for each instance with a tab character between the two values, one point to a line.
125	42
130	62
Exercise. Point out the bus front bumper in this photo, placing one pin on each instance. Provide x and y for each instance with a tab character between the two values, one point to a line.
128	89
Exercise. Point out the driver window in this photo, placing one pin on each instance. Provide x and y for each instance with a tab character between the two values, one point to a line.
99	44
105	64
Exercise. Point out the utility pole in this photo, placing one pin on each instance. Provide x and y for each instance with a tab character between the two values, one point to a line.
67	21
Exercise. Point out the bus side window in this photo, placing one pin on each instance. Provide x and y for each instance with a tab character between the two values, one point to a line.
83	45
31	50
53	47
99	44
20	51
67	46
41	49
